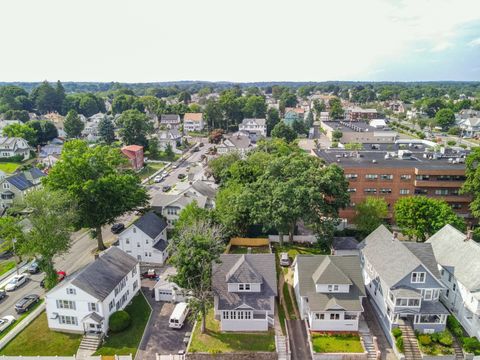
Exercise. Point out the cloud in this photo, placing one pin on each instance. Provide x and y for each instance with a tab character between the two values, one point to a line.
474	42
442	46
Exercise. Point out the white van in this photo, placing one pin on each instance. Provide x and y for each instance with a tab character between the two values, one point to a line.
178	315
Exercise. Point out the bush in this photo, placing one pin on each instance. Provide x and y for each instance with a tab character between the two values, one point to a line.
454	326
14	159
471	345
425	339
119	321
396	332
445	338
399	343
451	142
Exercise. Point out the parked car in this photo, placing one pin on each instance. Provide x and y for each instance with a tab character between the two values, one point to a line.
178	316
117	228
3	294
33	268
149	274
181	176
166	188
60	276
195	149
6	321
16	282
200	145
174	166
158	179
26	303
284	259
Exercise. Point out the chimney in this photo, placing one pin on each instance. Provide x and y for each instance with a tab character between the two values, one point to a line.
395	236
469	235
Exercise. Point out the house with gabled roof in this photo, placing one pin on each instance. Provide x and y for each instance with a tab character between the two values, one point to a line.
244	288
458	257
193	122
84	301
16	186
170	121
403	280
329	291
14	146
255	128
146	239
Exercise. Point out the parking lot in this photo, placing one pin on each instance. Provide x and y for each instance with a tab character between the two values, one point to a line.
159	338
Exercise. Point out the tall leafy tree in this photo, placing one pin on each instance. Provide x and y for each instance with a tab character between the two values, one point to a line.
22	131
195	248
336	109
106	130
214	115
284	131
472	182
318	107
420	217
10	231
45	130
273	118
445	118
47	98
371	213
51	215
95	179
134	127
73	125
255	107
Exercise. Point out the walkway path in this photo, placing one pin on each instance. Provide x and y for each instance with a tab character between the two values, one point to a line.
298	340
410	343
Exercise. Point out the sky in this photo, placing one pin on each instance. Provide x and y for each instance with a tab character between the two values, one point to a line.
241	41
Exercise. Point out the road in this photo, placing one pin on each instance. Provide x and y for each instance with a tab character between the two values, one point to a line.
83	247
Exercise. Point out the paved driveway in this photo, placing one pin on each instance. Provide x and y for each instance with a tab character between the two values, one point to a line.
298	340
159	338
376	330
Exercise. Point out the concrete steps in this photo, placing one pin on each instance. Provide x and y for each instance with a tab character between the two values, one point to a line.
410	343
91	342
369	345
281	347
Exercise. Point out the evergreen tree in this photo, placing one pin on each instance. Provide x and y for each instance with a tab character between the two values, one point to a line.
106	130
73	125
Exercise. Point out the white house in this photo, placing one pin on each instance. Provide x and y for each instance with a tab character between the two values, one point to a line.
171	137
244	288
170	121
193	122
84	301
14	146
166	290
255	128
236	143
146	239
15	187
458	257
329	291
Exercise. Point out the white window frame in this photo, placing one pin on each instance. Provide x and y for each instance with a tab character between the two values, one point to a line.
419	276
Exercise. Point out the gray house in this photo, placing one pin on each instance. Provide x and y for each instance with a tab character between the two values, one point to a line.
14	187
403	281
244	288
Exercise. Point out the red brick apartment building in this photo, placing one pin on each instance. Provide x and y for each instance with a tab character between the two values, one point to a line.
374	173
134	153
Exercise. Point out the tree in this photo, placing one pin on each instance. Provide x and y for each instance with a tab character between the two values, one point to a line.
420	217
195	249
184	97
169	154
299	127
51	215
215	136
273	118
233	205
284	131
255	107
93	177
122	103
153	148
232	103
73	125
220	165
371	213
309	121
47	99
45	130
134	127
214	115
22	131
191	214
472	182
337	135
106	130
10	231
318	107
21	115
445	118
336	109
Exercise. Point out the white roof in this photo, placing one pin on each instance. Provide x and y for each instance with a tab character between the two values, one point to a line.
179	310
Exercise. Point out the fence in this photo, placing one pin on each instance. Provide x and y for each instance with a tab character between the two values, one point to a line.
249	242
310	239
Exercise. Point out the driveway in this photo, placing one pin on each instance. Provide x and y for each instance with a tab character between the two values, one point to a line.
376	330
158	337
298	340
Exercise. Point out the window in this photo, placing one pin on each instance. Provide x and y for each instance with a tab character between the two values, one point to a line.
454	287
71	291
66	304
134	230
421	191
351	176
449	277
441	192
111	305
386	191
371	176
447	293
402	302
92	307
120	286
430	319
386	177
418	277
225	315
134	271
405	177
370	190
335	287
146	241
427	294
404	191
334	316
243	287
442	272
423	177
138	244
350	317
351	190
6	185
135	285
68	320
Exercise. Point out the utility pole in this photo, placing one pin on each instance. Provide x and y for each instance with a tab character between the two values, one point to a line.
15	253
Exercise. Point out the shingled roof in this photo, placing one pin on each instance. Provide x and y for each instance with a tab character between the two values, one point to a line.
151	224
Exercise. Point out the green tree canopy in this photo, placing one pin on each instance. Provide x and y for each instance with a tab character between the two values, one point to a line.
472	182
23	131
371	213
73	125
445	118
134	127
106	130
284	131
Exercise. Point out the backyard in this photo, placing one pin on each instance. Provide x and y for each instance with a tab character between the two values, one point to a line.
324	343
296	249
38	339
127	341
8	167
234	249
150	169
214	341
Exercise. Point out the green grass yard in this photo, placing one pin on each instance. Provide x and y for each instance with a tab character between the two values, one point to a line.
214	341
8	167
37	339
243	249
150	169
126	342
296	249
6	266
323	343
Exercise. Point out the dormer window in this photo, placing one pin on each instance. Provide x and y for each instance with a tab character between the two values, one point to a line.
418	277
333	288
243	287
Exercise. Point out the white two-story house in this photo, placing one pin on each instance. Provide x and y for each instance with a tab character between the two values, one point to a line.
402	279
244	288
193	122
146	239
14	146
458	257
329	291
255	128
84	301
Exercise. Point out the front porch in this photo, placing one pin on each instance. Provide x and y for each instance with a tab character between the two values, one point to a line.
245	320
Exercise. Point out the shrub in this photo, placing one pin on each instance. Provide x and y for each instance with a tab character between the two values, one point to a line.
451	142
119	321
425	339
396	332
445	338
471	345
454	326
14	159
399	343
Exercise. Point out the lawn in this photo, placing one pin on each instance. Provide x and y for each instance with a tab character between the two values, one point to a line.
289	302
150	169
19	319
243	249
6	266
8	167
126	342
323	343
295	249
214	341
38	339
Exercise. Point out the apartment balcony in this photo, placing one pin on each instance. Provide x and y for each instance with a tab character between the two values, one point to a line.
438	184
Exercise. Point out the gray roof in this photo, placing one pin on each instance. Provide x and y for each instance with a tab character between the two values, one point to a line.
424	252
95	317
170	117
345	243
433	307
204	189
160	245
460	257
329	273
392	259
101	277
260	122
246	267
406	292
348	268
151	224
